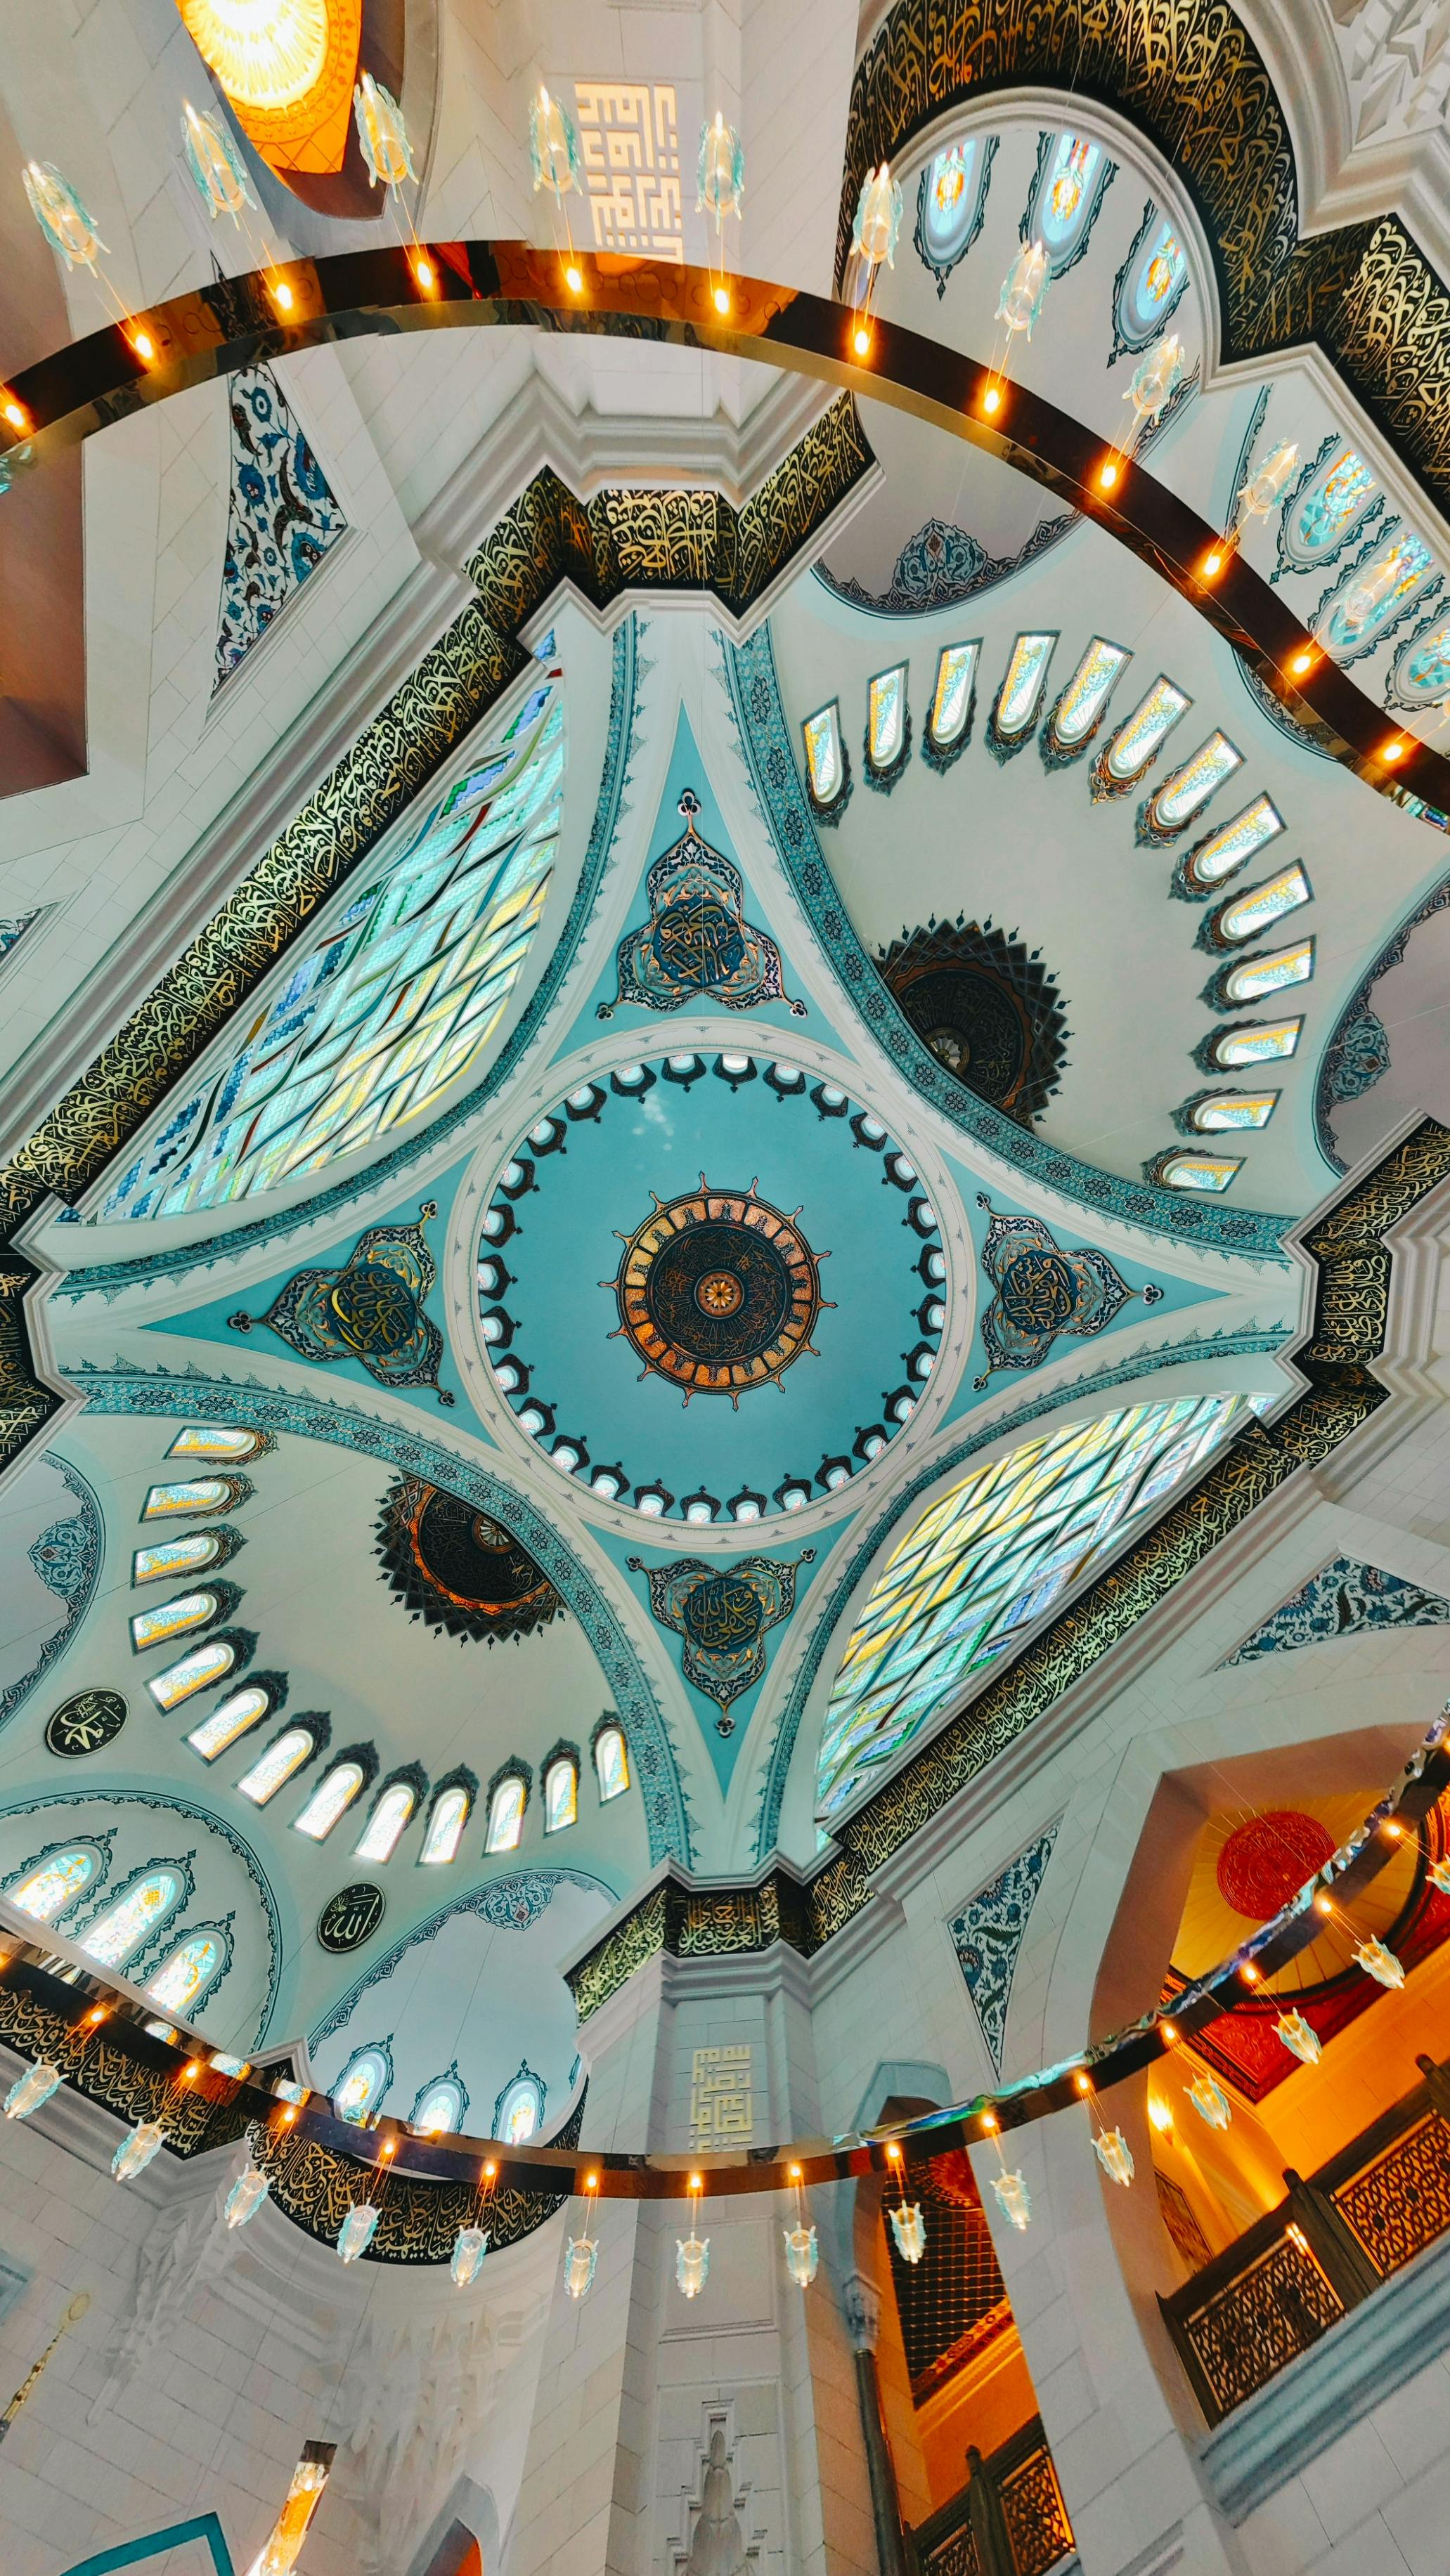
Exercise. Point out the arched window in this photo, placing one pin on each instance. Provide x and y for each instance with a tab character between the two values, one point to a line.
1222	853
1020	695
611	1763
379	1837
171	1619
951	201
442	2106
195	1494
362	2084
234	1715
333	1793
888	726
1072	177
951	699
1248	915
54	1882
1137	743
984	1561
1078	712
1372	597
197	1670
1321	516
1420	672
1256	976
506	1813
561	1794
184	1980
1187	789
518	2113
826	774
219	1440
147	1903
392	999
173	1556
1149	285
445	1827
1261	1043
1202	1173
284	1755
1223	1110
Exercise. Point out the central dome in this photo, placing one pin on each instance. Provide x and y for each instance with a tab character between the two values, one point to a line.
718	1291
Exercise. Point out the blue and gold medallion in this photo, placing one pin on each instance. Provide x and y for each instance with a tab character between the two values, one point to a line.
723	1613
371	1310
697	944
1042	1291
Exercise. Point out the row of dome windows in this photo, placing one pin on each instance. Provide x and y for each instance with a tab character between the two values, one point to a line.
442	2104
50	1887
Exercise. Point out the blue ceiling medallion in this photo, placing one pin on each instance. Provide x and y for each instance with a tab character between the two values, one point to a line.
369	1310
697	943
718	1292
723	1614
1042	1291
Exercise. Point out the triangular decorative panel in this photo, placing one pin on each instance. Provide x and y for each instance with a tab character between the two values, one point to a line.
282	518
989	1932
1342	1600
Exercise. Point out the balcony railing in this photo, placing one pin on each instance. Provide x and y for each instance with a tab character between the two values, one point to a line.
1009	2519
1332	2240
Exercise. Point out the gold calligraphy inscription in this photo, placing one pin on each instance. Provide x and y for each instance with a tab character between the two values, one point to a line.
722	2098
630	141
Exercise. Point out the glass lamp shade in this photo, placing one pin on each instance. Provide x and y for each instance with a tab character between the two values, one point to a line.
1209	2100
134	2154
909	2229
469	2248
1013	2199
32	2088
358	2229
1379	1963
1439	1874
1299	2036
581	2254
246	2196
692	2264
1115	2156
802	2254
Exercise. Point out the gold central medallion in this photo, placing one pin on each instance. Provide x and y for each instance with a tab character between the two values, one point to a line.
718	1291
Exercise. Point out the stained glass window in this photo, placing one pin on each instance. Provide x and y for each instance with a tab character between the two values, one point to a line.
188	1975
886	716
174	1556
445	1827
1021	691
1067	197
1231	847
506	1815
1201	1172
199	1494
518	2111
214	1440
825	768
561	1796
1083	700
196	1670
1374	593
134	1917
1234	1109
1262	1045
1152	285
55	1882
283	1756
379	1837
389	1004
1254	909
985	1560
171	1619
333	1794
440	2107
1328	513
239	1710
1190	787
951	203
951	700
363	2081
1256	976
1420	673
611	1762
1145	732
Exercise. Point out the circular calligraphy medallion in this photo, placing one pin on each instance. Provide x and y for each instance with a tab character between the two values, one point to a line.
699	943
723	1614
374	1308
86	1723
718	1292
1267	1859
1037	1293
351	1917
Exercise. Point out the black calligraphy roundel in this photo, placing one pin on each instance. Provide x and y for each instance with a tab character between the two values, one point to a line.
1038	1292
351	1917
723	1614
85	1724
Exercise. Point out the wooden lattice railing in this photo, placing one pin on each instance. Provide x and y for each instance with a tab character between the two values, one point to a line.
1008	2520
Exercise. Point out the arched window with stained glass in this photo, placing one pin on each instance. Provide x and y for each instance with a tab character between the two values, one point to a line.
363	2083
1377	591
1073	175
196	1670
828	772
48	1885
1325	508
518	2113
442	2106
1149	287
331	1798
986	1560
190	1975
1420	672
951	201
561	1790
394	1811
391	1001
611	1762
450	1811
506	1801
138	1913
193	1494
170	1558
236	1715
285	1754
219	1440
162	1621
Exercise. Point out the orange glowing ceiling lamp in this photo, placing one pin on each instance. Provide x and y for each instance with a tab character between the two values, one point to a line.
288	69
